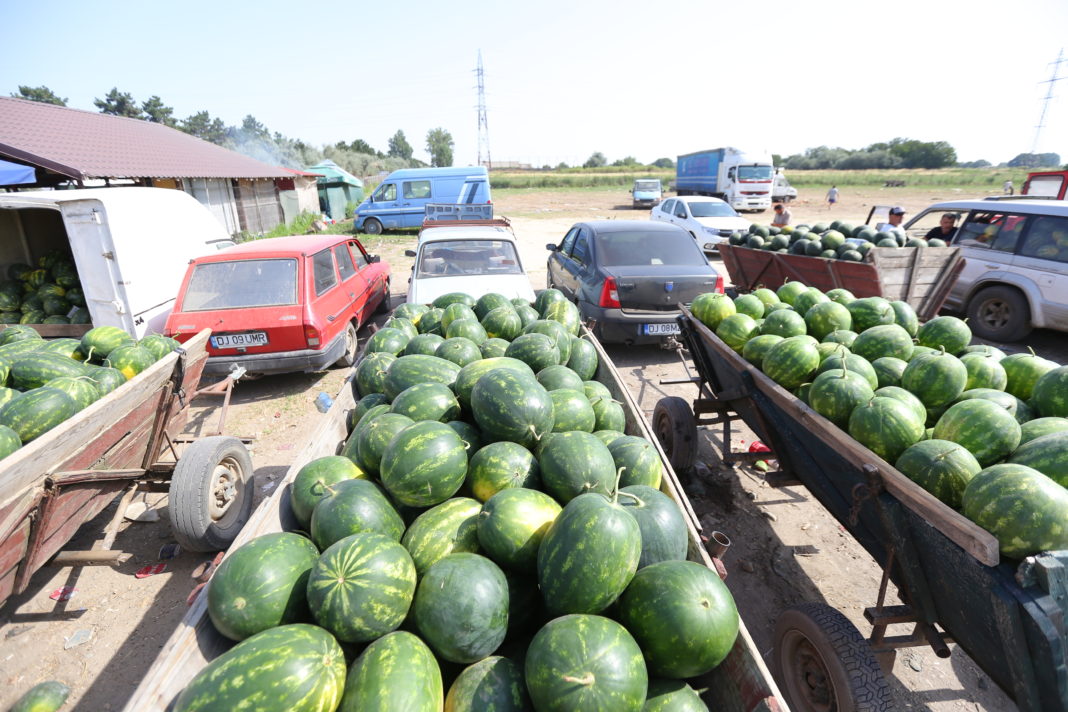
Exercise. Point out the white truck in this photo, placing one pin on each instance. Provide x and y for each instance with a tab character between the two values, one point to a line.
130	246
742	180
781	190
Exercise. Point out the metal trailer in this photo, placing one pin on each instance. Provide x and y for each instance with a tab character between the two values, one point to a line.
741	683
1008	616
128	440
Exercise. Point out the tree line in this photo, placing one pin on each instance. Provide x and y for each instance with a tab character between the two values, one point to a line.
900	153
253	139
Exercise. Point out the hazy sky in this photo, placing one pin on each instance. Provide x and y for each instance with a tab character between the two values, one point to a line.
565	79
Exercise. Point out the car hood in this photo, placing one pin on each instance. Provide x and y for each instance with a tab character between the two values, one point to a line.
424	291
724	223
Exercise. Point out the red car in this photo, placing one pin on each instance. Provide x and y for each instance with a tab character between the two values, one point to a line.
281	305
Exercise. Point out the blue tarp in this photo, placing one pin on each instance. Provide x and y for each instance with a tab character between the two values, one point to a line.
16	173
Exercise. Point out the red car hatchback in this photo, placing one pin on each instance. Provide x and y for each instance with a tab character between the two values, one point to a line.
281	305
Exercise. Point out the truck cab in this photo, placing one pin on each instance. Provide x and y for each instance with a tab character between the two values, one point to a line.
1046	184
742	180
647	192
781	190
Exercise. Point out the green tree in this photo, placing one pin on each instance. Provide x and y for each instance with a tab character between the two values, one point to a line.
42	94
358	146
253	128
626	162
439	145
118	103
204	127
1035	160
399	146
665	163
596	160
157	112
923	154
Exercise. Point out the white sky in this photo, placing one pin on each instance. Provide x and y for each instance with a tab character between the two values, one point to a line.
565	79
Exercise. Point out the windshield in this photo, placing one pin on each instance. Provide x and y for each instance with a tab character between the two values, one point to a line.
629	249
646	185
471	257
754	173
712	210
241	284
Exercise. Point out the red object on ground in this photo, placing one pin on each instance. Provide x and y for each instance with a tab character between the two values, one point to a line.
150	570
758	446
63	593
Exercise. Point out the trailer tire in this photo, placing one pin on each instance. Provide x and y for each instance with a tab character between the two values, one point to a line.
823	662
676	429
210	496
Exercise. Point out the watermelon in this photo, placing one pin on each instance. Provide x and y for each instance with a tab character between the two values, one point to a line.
1023	372
502	323
692	602
450	527
608	436
36	411
936	379
842	336
750	305
1050	393
557	333
587	578
468	329
427	401
501	465
809	298
430	321
889	370
363	405
10	317
609	414
511	406
493	684
9	441
1020	506
21	333
426	344
424	464
32	317
105	379
566	313
757	348
791	362
410	311
575	462
1041	426
905	317
351	448
80	389
261	585
312	480
945	332
784	323
35	369
459	350
43	697
455	312
672	696
663	530
886	340
353	507
869	312
941	467
375	436
469	375
407	371
836	393
129	360
556	377
827	317
585	662
637	460
572	411
527	314
595	389
842	296
469	435
914	403
55	319
513	524
492	348
1006	400
984	371
403	325
547	297
534	349
490	301
388	340
361	587
886	426
1047	454
371	372
984	428
461	607
712	308
789	291
851	362
396	672
158	345
291	668
445	300
583	359
766	296
737	329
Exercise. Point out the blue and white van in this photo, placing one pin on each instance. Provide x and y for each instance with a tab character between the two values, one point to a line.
400	201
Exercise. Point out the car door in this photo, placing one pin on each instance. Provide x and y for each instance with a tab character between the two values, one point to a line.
558	256
576	267
682	215
327	302
415	194
373	275
1042	257
385	206
353	285
988	239
664	211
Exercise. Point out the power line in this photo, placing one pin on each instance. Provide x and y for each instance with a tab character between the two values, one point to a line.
1049	97
483	124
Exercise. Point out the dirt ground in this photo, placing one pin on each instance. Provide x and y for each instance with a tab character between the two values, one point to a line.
107	635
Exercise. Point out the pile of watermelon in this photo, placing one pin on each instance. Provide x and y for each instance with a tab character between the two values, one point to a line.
48	293
984	432
838	240
44	382
488	529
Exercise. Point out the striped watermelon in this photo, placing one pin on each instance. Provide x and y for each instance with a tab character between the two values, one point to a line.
826	317
98	343
35	369
1050	396
941	467
595	389
501	465
609	414
371	372
737	329
566	313
410	311
663	530
470	435
511	406
71	348
608	436
637	460
889	370
105	379
807	299
791	362
886	340
261	585
430	321
513	523
984	428
572	411
81	390
789	291
351	448
1047	454
584	662
490	301
469	375
836	393
43	697
425	344
454	298
575	462
750	305
492	348
1023	372
407	371
503	323
311	483
852	362
914	403
363	405
842	336
905	317
555	377
454	312
353	507
396	672
427	401
886	426
450	527
534	349
936	379
1038	427
424	464
672	696
12	334
493	684
984	371
402	325
869	312
547	297
291	668
9	441
129	360
757	348
712	308
784	323
945	332
527	314
374	437
36	411
467	329
583	358
1020	506
361	587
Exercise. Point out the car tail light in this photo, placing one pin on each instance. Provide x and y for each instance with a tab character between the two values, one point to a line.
609	294
719	284
312	335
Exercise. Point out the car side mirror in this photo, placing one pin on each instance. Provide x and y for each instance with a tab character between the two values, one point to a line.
409	253
373	259
551	247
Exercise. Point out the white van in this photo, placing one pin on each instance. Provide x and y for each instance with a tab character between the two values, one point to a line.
131	246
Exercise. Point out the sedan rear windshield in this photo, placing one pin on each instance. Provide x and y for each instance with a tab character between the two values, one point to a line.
241	284
628	249
712	210
472	257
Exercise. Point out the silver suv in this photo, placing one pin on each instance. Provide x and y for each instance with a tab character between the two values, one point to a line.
1015	276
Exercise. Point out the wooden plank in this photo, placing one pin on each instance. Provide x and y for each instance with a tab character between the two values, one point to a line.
56	331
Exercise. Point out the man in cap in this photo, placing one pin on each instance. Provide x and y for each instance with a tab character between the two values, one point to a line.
897	215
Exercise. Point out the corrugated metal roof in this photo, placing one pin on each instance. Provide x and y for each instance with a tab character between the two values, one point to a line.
84	144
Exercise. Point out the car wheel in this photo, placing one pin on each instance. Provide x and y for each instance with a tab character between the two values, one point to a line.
372	226
1000	314
349	357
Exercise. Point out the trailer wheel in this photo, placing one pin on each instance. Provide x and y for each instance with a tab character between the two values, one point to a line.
676	429
211	493
824	663
349	357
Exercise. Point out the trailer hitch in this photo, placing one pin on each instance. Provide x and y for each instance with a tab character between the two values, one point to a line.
862	492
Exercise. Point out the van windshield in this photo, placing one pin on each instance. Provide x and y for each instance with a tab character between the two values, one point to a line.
241	284
646	185
455	257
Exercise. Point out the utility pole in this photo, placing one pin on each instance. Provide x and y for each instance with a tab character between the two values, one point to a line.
483	124
1054	78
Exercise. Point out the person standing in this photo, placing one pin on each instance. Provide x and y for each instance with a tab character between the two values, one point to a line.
1007	187
832	196
782	216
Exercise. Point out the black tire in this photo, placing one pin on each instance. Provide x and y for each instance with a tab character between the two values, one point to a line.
1000	314
386	305
209	469
824	663
676	429
351	347
372	226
